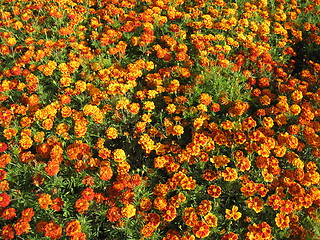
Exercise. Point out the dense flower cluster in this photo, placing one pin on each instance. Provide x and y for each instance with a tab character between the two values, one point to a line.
159	119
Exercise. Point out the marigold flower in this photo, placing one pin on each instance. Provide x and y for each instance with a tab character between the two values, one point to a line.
229	174
8	213
255	203
267	122
53	230
204	207
112	133
220	161
233	213
113	214
105	172
119	155
282	220
201	229
81	205
169	213
4	199
214	191
72	228
160	203
21	227
8	232
128	211
297	96
145	204
148	230
230	236
295	109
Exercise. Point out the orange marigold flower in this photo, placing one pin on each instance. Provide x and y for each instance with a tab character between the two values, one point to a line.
169	213
230	236
211	220
201	230
229	174
204	207
53	230
214	191
8	213
255	203
72	228
210	175
8	232
88	194
227	125
4	200
145	204
81	205
44	200
282	220
105	172
27	214
21	227
233	213
220	161
113	214
160	203
205	99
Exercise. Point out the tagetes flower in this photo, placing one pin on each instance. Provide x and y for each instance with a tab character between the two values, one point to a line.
214	191
128	211
233	213
81	205
4	199
230	236
255	203
52	230
114	214
220	161
201	230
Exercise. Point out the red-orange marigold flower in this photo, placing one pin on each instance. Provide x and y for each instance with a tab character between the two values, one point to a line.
72	228
201	230
113	214
81	205
4	200
214	191
282	220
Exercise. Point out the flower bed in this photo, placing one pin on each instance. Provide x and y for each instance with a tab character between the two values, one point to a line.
159	119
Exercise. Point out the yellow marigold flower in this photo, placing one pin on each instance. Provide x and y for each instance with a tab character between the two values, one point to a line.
25	142
112	133
177	130
297	96
119	155
171	108
11	41
267	122
81	86
149	105
160	203
233	213
295	109
47	124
